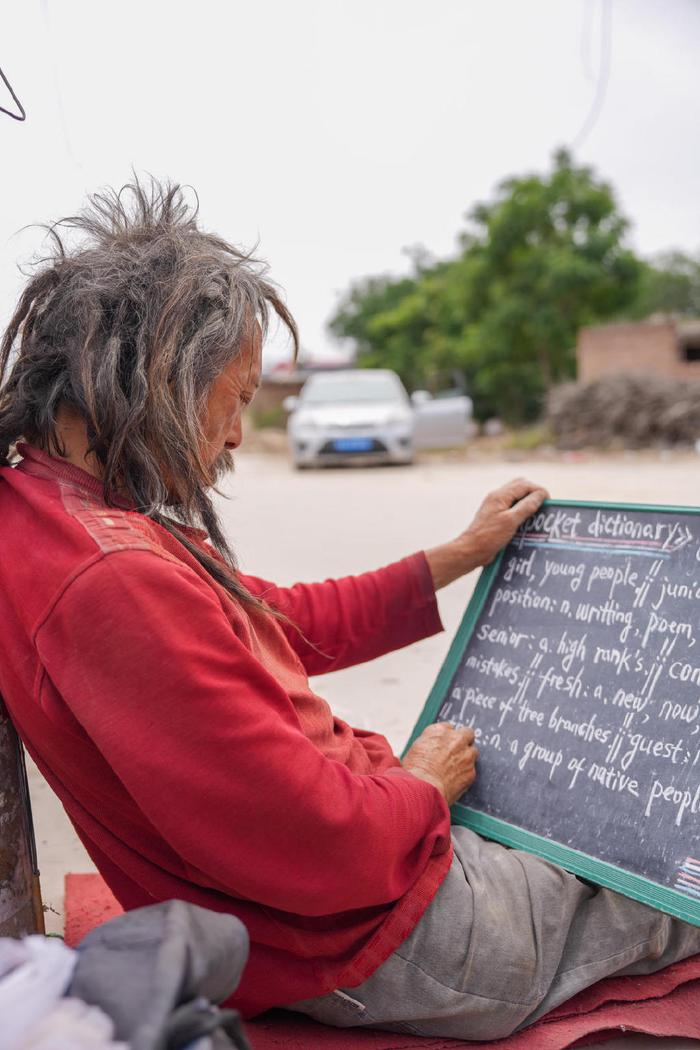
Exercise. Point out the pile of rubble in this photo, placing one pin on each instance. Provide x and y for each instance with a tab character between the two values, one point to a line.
629	411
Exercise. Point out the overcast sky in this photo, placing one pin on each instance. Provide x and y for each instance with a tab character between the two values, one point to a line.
337	132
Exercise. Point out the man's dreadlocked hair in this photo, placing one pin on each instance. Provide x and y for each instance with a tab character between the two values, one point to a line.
129	329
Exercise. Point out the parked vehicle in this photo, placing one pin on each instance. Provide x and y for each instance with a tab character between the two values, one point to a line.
365	415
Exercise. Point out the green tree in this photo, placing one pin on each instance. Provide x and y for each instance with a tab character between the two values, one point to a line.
669	284
545	257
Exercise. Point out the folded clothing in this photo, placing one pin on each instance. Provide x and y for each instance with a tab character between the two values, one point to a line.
151	978
157	971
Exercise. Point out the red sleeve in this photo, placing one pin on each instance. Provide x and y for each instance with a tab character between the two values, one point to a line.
208	745
347	621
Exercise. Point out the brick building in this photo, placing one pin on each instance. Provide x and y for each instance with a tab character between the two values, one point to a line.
661	347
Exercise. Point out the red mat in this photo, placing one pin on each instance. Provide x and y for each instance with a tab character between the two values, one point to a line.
663	1004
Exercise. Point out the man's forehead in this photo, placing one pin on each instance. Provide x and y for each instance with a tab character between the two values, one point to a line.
253	374
255	343
246	367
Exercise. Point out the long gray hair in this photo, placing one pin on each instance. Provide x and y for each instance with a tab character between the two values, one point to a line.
129	329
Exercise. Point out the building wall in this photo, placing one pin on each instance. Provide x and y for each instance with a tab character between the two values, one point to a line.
648	347
272	393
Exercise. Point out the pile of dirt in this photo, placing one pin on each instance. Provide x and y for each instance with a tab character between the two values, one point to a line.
626	411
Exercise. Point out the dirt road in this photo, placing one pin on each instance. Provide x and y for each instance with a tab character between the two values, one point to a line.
291	526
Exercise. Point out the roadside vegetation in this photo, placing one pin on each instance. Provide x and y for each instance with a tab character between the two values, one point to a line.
546	256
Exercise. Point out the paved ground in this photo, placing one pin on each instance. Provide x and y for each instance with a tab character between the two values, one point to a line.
292	526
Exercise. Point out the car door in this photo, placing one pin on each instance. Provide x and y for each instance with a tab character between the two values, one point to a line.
441	422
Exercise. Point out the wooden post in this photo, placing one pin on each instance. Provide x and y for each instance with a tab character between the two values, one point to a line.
21	910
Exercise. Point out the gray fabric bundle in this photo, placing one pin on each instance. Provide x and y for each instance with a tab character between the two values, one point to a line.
156	972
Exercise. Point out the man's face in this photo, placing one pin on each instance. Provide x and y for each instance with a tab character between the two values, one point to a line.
231	391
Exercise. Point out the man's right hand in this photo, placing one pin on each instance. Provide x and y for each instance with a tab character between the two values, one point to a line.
445	757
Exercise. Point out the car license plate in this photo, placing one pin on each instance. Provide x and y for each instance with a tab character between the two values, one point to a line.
351	444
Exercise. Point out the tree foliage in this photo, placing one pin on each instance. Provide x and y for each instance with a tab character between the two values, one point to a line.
544	257
669	284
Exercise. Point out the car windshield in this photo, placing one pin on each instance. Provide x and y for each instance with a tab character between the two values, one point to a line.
351	389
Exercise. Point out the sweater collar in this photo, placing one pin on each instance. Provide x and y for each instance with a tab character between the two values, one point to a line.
39	463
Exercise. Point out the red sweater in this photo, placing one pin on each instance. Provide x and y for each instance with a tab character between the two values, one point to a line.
180	732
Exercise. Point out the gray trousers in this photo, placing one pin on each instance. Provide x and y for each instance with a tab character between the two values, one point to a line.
507	938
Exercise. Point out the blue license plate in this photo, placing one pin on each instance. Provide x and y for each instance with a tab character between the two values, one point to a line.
352	444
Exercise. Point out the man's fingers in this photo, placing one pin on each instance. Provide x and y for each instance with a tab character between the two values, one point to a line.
528	505
518	489
514	490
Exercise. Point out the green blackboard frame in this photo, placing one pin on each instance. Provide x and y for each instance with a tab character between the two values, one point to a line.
601	872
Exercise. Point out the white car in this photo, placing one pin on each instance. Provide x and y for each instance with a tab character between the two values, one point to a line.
365	415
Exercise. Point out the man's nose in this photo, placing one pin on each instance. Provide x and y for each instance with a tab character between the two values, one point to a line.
235	434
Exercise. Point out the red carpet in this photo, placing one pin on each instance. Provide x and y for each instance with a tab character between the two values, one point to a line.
663	1004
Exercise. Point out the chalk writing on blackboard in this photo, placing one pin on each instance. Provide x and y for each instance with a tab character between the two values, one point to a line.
581	678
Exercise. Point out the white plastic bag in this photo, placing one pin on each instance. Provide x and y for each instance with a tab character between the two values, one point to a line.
71	1025
34	974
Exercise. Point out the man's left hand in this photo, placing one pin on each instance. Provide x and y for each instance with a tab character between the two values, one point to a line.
496	522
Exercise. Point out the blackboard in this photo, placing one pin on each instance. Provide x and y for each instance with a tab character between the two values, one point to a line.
578	665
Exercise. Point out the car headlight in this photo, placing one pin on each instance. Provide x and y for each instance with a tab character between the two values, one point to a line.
304	424
398	419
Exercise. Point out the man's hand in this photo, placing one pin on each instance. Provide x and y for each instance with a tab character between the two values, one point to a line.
498	518
445	757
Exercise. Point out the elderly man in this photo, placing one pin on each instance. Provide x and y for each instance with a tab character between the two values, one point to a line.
165	697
